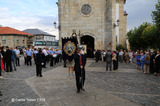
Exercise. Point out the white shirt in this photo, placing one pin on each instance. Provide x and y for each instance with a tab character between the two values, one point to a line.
82	52
121	53
104	54
17	51
45	52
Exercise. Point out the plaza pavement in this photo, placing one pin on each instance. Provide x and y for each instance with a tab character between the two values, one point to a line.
124	87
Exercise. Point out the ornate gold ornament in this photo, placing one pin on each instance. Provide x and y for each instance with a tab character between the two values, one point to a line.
69	48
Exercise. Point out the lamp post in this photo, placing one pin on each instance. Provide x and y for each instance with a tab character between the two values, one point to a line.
116	24
56	26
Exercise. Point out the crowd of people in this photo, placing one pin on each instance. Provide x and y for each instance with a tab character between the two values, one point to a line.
10	58
41	57
147	61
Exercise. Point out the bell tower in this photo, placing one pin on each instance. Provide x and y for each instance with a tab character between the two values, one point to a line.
95	20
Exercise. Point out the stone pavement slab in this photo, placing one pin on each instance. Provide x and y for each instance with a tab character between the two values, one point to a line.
126	86
59	90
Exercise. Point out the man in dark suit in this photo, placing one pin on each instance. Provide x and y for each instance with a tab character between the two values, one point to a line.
79	68
157	63
108	60
39	59
8	59
117	57
152	63
97	55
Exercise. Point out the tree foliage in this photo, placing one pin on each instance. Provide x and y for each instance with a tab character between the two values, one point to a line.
136	38
146	35
119	47
156	14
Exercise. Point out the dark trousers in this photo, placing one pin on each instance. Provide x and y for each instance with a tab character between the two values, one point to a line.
97	58
29	60
114	65
157	68
60	57
25	60
65	63
8	65
110	65
17	61
57	59
0	71
38	69
51	62
152	68
80	79
44	61
34	56
47	58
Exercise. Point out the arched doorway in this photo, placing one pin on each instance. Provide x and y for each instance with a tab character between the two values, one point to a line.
89	41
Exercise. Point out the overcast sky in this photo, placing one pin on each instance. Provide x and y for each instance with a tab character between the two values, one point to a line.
139	11
24	14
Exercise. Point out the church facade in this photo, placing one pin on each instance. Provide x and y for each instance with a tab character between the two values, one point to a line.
101	24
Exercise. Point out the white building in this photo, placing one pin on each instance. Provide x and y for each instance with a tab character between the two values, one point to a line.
41	35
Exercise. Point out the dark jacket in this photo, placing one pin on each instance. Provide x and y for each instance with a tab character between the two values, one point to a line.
13	57
3	54
84	59
157	60
39	58
8	55
77	62
108	56
0	61
97	54
152	57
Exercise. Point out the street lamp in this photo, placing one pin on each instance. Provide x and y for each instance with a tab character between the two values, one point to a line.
56	26
116	25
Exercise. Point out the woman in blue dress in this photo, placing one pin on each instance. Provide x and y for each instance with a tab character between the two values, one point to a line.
142	60
138	57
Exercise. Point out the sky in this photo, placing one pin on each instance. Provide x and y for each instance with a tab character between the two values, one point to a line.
25	14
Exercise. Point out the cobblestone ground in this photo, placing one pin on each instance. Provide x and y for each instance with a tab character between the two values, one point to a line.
13	86
127	82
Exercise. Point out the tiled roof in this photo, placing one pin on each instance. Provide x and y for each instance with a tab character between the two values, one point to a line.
10	31
36	32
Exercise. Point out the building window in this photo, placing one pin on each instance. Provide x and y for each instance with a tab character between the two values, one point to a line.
4	40
38	38
17	40
23	39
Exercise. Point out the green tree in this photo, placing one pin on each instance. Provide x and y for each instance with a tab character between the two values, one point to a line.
156	14
136	38
120	46
151	36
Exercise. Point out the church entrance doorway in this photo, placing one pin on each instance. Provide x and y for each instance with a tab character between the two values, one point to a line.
89	42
